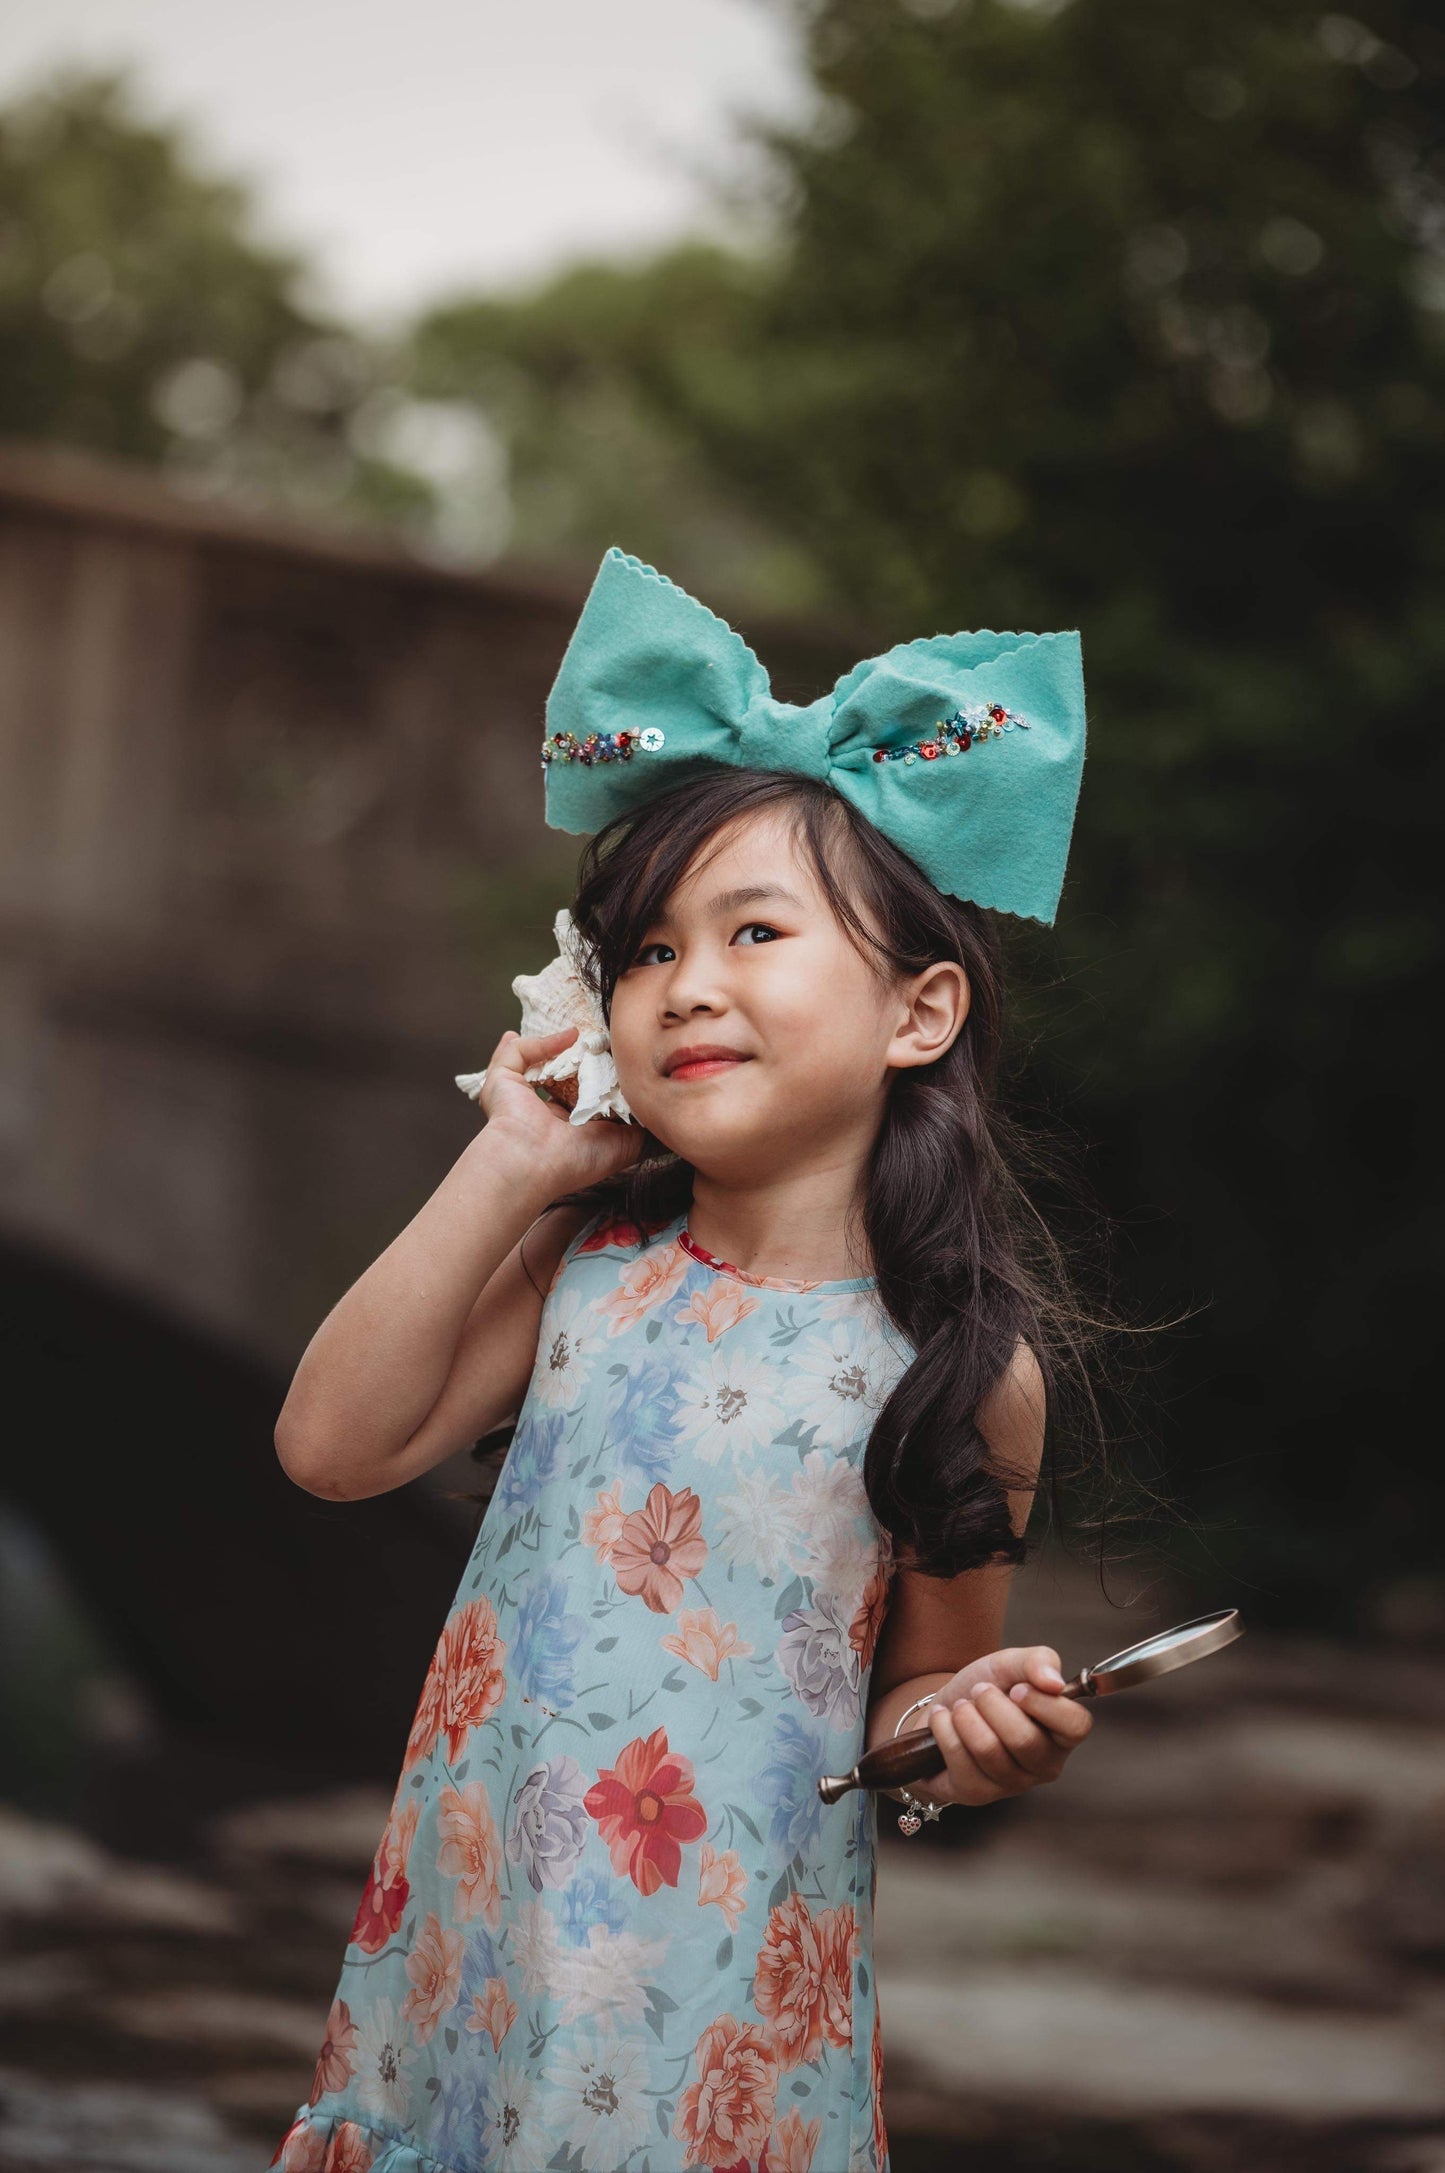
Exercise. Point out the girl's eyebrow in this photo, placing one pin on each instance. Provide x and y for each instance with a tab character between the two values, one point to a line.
728	901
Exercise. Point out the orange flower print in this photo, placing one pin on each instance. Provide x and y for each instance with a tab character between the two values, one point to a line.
880	2133
788	1981
642	1284
493	2011
721	1878
793	2142
645	1808
435	1969
703	1641
660	1544
383	1904
602	1526
837	1931
464	1683
725	2115
471	1853
867	1621
335	2065
350	2151
720	1307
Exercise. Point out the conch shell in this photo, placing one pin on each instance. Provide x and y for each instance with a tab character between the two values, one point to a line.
583	1075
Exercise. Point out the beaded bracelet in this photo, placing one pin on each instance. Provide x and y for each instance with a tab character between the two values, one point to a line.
910	1820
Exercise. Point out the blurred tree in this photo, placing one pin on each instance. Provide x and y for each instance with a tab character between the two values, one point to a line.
590	379
1132	318
140	316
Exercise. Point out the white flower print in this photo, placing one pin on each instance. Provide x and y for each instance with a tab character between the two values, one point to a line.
841	1562
756	1526
847	1377
514	2137
384	2052
534	1946
606	1977
601	2081
727	1402
829	1498
564	1355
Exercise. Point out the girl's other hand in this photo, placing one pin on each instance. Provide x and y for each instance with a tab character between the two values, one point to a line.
573	1155
1002	1727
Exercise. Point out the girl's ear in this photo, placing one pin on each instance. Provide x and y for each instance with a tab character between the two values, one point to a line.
935	1006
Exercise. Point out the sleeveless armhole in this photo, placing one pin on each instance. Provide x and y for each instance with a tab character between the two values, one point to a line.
573	1247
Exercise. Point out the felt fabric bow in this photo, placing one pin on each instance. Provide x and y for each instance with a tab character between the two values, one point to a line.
965	749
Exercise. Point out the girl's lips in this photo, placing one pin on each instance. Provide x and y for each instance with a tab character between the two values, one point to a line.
704	1066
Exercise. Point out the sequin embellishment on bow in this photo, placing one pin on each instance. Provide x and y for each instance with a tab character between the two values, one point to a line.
956	734
600	746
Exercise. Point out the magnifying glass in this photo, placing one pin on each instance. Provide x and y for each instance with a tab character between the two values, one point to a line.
916	1755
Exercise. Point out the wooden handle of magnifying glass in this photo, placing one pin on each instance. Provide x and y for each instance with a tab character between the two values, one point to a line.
917	1756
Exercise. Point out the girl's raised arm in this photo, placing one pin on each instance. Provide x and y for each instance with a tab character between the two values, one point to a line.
434	1345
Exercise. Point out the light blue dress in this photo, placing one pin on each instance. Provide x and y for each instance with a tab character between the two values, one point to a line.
610	1924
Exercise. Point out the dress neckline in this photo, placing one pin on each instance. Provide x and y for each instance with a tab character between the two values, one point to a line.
690	1245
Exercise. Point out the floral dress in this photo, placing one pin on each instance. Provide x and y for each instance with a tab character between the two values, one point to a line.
610	1923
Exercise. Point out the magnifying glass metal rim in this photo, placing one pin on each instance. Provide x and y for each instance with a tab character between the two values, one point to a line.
916	1755
1187	1641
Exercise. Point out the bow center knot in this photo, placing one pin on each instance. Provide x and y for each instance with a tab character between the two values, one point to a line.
778	735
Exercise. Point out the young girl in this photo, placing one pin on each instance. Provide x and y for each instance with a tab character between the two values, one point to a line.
779	1365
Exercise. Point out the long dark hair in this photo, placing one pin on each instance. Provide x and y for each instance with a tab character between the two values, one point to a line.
966	1265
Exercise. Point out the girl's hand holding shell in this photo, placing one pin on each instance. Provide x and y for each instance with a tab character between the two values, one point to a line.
1001	1727
573	1154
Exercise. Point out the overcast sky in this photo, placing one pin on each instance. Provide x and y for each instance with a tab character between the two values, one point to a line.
413	146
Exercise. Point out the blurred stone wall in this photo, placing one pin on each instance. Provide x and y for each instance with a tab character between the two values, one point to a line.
271	849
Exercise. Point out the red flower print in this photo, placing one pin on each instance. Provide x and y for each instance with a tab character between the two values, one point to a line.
383	1904
464	1683
837	1931
791	2144
661	1544
880	2133
334	2063
788	1981
617	1231
380	1913
644	1807
302	2148
867	1621
724	2117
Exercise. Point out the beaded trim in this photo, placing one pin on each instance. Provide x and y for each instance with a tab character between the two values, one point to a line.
601	746
953	736
956	734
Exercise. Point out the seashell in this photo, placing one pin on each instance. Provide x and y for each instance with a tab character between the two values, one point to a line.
582	1076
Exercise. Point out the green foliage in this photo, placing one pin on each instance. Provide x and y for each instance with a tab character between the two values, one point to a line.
141	317
594	381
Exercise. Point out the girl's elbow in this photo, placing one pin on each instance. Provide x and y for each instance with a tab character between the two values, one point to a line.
306	1465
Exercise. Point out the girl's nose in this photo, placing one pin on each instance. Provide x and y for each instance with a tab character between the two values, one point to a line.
689	988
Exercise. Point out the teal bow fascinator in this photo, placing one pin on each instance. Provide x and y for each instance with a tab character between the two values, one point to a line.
965	749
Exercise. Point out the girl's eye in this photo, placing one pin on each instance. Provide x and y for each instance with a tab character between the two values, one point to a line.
748	927
766	926
641	958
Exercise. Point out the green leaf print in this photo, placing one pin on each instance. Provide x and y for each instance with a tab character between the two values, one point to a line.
461	1771
654	1330
724	1953
604	1644
601	1720
741	1815
451	2038
862	1976
791	1596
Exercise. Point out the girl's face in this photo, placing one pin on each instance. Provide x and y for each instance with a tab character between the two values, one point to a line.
749	1034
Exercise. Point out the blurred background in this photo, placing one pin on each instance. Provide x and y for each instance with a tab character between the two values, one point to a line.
334	350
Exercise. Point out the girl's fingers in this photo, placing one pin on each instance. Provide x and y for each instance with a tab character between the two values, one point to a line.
514	1052
1006	1744
1068	1720
1029	1745
978	1765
